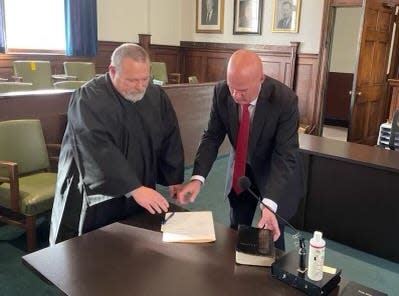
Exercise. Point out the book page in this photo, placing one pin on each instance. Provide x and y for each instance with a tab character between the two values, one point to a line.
189	227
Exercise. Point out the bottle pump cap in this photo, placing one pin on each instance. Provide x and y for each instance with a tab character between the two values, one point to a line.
317	235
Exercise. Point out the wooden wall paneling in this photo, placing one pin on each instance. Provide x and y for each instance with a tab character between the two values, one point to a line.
280	55
103	58
167	54
5	66
347	3
394	104
190	65
216	67
305	88
208	61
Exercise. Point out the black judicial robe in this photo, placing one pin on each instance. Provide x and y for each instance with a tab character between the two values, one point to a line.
112	146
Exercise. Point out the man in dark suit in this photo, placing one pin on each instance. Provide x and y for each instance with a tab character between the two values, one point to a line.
209	12
271	158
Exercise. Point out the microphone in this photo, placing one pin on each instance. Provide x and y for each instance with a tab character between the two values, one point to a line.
245	184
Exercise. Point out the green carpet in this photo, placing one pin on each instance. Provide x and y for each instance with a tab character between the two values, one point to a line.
16	279
369	270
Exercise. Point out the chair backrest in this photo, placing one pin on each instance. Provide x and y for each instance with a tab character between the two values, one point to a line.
159	72
83	71
69	84
192	79
36	72
15	86
22	141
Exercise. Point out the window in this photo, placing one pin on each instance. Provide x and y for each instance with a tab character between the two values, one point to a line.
35	25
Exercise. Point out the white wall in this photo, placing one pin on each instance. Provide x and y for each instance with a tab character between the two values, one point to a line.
345	39
122	20
172	21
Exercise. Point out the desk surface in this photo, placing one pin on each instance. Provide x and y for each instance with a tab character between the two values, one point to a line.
370	156
121	259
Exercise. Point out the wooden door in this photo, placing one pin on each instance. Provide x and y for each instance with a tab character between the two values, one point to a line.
369	101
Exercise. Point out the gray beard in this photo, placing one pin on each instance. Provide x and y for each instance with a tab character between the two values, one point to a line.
135	98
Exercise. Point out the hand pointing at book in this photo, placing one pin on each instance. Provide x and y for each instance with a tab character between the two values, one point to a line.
269	221
189	192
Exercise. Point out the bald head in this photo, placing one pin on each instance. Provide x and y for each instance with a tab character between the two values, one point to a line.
244	76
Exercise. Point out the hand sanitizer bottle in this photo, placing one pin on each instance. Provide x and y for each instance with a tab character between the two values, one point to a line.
316	256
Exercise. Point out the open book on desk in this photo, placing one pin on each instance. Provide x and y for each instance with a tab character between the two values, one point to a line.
189	227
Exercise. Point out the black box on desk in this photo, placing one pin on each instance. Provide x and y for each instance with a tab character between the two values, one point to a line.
285	269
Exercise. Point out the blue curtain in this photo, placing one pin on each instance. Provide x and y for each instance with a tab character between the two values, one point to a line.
2	28
80	27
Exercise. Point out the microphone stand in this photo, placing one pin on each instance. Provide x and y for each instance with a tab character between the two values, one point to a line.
245	184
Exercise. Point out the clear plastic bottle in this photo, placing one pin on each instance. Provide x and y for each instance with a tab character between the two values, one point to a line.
316	257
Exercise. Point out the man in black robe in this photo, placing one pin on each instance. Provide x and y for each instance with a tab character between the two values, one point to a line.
122	138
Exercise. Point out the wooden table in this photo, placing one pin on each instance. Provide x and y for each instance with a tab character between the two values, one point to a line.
122	259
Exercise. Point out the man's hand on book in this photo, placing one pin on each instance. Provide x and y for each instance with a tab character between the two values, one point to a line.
269	221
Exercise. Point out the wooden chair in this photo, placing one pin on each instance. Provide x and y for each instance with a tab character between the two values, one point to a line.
36	72
26	186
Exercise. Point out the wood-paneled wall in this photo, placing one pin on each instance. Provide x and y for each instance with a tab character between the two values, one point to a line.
394	104
208	61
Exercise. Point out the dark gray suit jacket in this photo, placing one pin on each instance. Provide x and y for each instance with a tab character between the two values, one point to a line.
273	158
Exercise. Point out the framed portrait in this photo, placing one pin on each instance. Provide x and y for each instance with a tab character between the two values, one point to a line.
209	16
286	15
247	16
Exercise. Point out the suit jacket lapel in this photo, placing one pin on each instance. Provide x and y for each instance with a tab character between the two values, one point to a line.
262	111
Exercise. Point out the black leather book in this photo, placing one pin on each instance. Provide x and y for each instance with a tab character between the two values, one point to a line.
255	246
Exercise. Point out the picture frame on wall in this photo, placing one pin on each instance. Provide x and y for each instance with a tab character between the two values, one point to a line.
286	14
248	16
209	16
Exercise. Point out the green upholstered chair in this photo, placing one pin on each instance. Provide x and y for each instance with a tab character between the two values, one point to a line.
159	72
26	186
15	86
83	71
160	75
69	84
36	72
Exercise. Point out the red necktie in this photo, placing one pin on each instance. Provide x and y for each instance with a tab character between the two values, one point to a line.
241	149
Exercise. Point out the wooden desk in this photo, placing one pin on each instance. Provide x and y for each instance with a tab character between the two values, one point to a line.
121	259
352	194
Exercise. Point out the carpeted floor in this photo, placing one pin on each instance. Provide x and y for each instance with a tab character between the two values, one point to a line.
369	270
